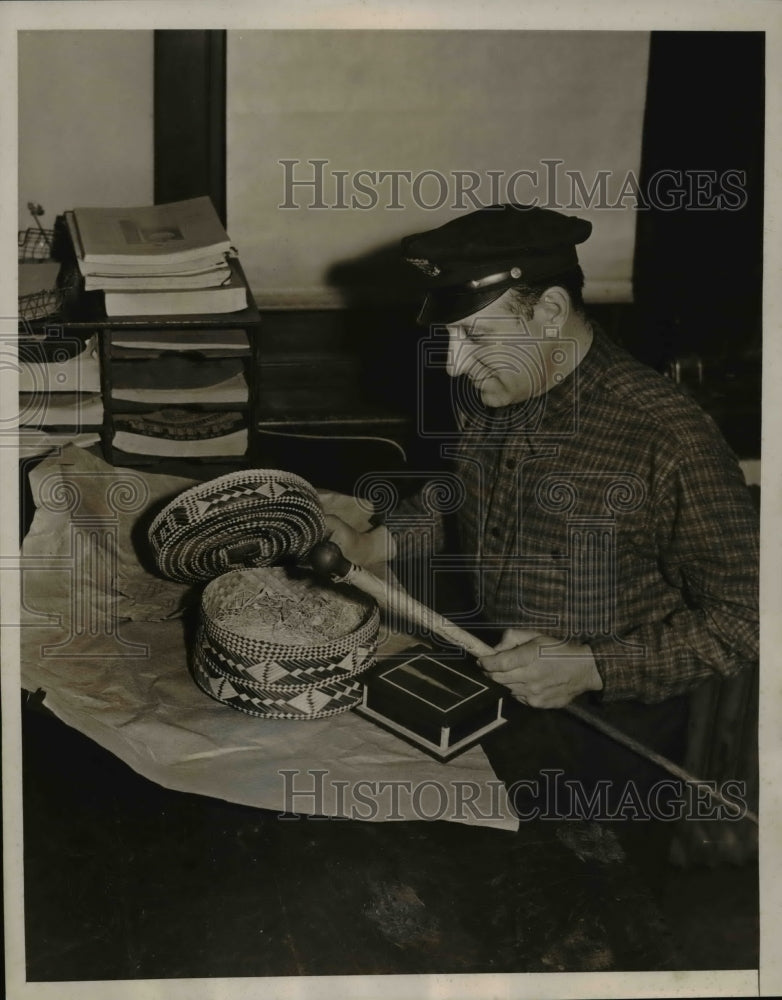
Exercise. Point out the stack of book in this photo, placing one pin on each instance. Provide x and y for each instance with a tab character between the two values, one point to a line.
158	260
175	350
177	393
59	393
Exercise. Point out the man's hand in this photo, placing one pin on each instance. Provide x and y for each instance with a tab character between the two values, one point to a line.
361	547
539	678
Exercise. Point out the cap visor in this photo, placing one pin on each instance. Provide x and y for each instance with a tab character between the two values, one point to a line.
450	305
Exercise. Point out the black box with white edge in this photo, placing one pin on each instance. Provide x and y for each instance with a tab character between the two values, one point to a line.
444	706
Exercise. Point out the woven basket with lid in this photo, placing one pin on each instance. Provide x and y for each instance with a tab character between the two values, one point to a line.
271	642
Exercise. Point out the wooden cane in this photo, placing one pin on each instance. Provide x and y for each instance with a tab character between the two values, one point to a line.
327	558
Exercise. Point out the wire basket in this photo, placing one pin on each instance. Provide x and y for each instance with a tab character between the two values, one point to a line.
35	244
35	247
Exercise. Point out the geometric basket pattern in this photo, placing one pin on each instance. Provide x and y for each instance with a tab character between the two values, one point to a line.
272	679
232	531
255	517
313	701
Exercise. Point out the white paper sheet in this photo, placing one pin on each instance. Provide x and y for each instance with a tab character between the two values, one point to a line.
125	683
80	373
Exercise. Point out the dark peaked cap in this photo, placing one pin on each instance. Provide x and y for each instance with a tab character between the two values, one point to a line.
473	259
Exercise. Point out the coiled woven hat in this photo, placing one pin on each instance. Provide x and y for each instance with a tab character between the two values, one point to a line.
255	517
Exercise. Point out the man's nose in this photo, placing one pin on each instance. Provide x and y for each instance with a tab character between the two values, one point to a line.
459	352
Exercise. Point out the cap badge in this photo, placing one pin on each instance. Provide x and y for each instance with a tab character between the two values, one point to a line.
430	270
494	279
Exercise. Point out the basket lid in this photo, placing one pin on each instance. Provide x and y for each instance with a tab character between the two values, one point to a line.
255	517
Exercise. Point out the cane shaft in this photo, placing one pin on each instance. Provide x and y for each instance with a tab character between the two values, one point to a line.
395	599
401	603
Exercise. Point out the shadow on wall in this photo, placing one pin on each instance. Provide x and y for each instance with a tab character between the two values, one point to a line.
383	295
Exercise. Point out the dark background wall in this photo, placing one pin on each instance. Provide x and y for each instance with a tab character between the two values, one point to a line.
698	273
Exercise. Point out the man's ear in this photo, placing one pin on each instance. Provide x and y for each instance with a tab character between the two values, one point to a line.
555	306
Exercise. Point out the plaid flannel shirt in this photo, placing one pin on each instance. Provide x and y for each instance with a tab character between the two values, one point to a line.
610	511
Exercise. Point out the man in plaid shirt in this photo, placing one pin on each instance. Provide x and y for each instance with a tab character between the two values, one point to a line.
610	530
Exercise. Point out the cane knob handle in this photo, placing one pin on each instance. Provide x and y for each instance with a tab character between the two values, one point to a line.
326	558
